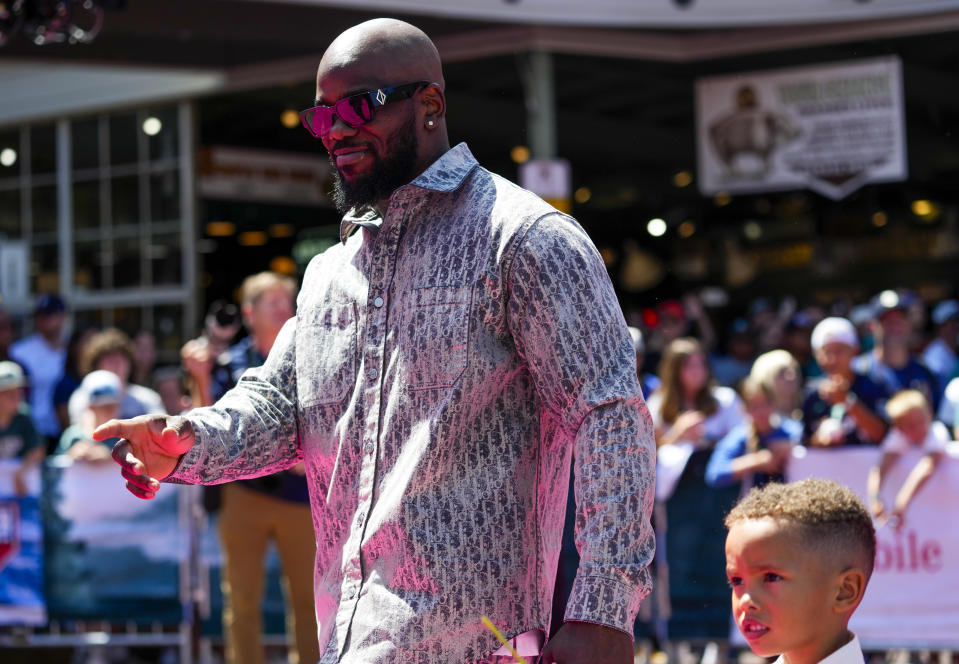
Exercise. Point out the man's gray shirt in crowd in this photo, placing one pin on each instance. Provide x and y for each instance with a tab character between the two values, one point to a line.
439	372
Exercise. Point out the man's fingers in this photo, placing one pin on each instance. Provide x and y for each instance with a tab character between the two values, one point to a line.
140	493
113	429
123	455
144	482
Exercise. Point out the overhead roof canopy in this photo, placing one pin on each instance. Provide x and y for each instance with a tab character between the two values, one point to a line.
650	13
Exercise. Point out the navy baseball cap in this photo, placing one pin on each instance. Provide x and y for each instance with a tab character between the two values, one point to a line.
49	304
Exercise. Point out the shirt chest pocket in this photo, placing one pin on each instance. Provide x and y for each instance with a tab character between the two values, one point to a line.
326	354
433	336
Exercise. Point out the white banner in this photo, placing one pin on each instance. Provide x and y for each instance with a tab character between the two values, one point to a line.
831	128
649	13
911	600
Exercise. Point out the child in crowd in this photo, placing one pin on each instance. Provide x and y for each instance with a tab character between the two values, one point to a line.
102	391
756	451
18	437
912	427
798	558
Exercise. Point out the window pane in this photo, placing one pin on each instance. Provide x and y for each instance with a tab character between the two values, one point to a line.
43	149
166	258
44	266
165	197
123	138
126	262
86	204
126	208
10	213
45	209
168	322
128	319
164	144
85	143
88	258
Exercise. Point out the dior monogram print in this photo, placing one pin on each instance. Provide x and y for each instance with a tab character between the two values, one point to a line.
439	373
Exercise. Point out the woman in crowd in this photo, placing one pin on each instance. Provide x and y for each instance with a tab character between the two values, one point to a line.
690	414
112	350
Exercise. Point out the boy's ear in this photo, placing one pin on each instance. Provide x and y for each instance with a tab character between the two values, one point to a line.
850	588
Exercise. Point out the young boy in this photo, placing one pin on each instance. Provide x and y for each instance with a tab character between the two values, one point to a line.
798	557
912	426
18	437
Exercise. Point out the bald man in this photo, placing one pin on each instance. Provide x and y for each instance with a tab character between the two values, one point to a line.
448	358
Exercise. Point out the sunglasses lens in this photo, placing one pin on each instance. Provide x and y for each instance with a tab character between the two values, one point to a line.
355	110
318	121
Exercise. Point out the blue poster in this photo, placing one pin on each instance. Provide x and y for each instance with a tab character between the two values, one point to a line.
21	550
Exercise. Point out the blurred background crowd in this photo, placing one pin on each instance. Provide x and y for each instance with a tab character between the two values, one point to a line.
730	392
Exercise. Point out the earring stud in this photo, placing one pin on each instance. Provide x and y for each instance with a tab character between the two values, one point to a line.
430	123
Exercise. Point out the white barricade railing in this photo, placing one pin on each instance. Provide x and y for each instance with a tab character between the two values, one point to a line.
912	600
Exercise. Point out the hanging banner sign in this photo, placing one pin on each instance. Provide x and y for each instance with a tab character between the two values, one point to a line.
829	128
904	606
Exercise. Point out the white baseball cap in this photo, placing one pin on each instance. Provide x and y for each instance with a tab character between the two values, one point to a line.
834	329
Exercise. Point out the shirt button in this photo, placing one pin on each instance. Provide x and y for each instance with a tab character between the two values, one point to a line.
351	594
372	373
378	302
369	448
359	518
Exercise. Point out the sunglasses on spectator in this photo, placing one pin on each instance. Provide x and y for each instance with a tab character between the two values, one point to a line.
355	110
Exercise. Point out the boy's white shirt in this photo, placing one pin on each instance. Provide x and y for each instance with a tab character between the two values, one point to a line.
935	441
851	653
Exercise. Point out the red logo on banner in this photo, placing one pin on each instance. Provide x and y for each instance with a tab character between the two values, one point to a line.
9	531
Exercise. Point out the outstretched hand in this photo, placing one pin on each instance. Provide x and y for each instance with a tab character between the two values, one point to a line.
149	449
588	643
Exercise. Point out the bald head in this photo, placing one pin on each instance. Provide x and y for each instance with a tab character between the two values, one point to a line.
384	49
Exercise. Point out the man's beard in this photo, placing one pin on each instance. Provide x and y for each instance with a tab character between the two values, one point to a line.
388	174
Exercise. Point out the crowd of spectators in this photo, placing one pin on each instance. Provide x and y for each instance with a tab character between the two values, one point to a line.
729	409
730	393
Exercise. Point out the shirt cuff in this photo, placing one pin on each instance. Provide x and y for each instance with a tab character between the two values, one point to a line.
603	601
187	460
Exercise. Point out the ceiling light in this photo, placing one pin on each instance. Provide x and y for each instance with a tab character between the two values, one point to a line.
656	227
290	118
520	154
152	126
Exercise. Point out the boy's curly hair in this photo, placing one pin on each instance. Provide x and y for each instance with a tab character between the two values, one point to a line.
830	517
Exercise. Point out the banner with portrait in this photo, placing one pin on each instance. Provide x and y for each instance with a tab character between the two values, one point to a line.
831	128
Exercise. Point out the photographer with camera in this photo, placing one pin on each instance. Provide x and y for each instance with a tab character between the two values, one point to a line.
253	512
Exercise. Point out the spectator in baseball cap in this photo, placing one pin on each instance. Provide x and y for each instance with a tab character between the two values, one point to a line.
101	393
18	437
941	354
891	362
43	354
841	407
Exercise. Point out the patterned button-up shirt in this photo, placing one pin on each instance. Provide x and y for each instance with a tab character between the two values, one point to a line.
437	376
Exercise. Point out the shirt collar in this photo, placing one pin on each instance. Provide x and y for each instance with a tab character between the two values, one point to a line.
445	174
851	653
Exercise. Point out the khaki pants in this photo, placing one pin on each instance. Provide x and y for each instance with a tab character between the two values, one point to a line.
248	521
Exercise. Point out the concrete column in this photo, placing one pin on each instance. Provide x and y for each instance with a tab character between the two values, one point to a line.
540	104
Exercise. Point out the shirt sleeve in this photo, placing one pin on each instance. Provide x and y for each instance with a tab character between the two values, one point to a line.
567	325
894	442
937	439
251	430
719	470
